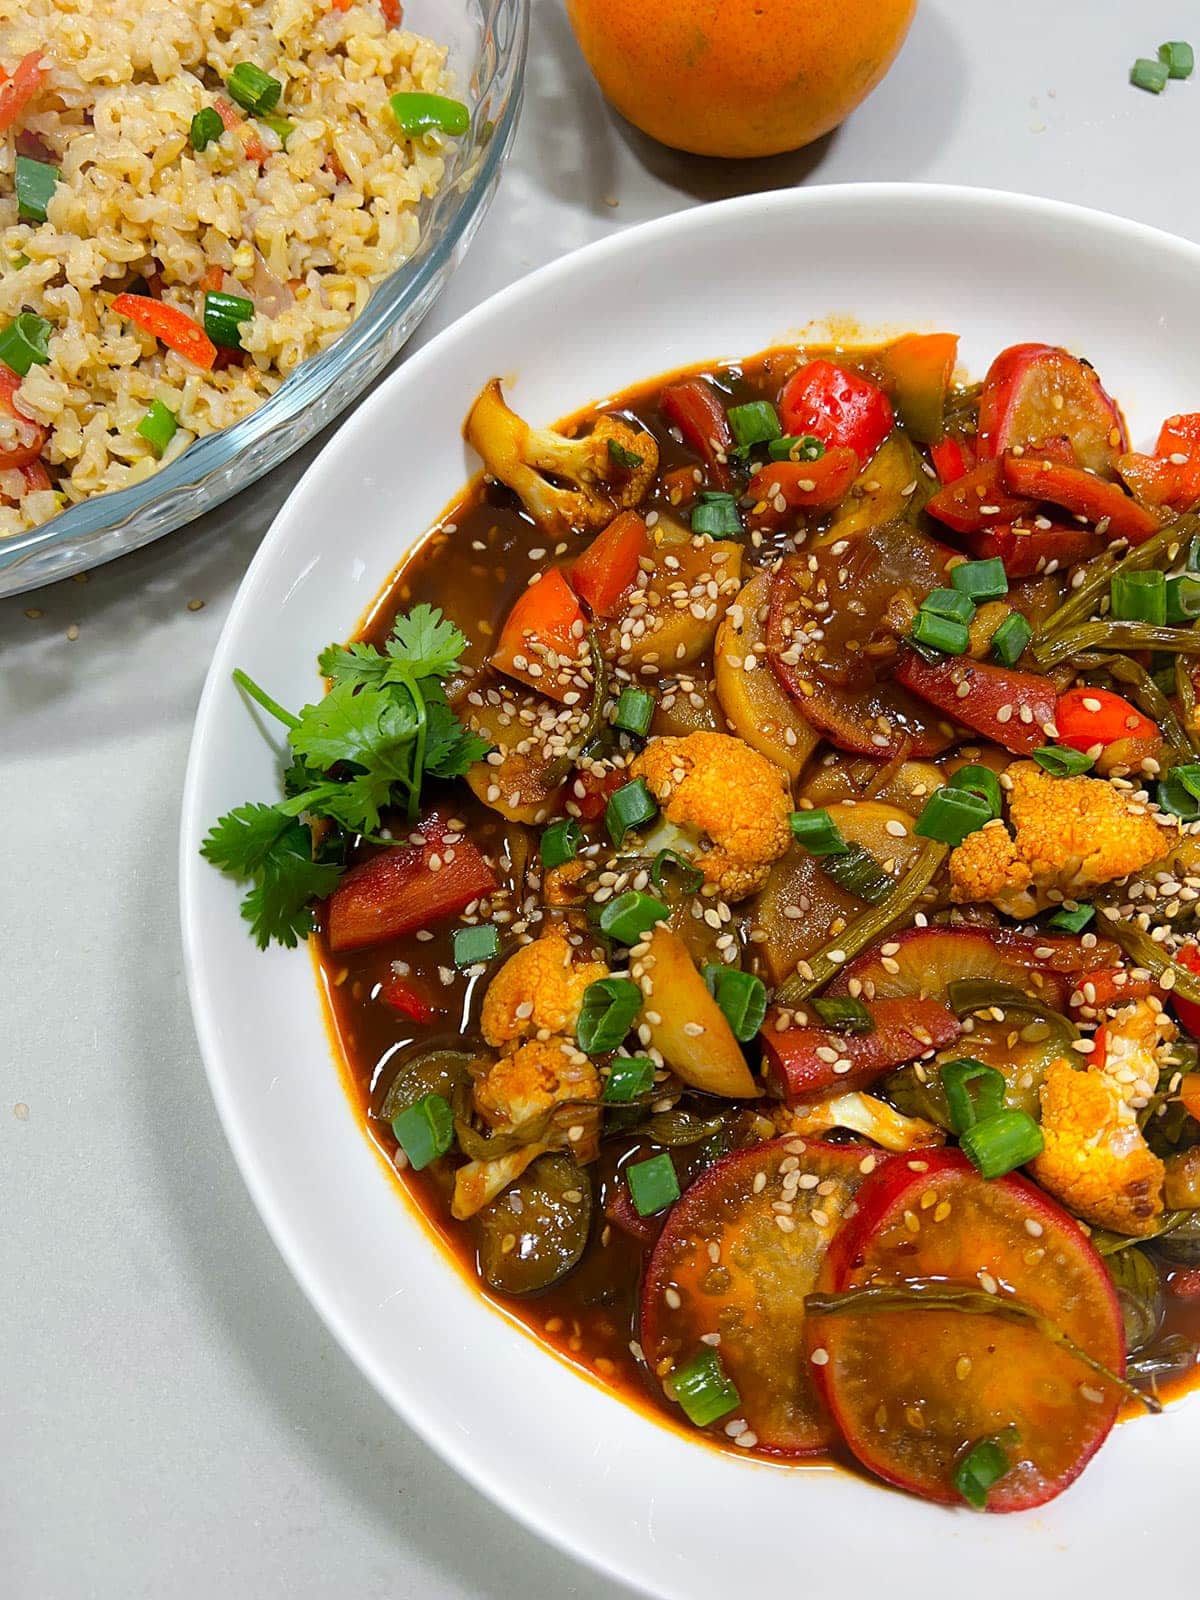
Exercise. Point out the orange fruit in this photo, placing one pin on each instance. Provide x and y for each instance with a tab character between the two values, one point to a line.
738	77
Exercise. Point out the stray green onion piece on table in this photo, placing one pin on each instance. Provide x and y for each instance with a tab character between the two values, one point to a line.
417	113
1149	75
1178	58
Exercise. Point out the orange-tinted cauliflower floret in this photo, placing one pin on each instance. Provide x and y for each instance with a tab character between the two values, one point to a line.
518	1092
538	990
860	1113
1095	1159
715	786
1071	834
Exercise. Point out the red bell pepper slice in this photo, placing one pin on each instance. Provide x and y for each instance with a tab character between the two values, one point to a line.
802	485
589	794
797	1068
837	407
607	570
978	499
252	146
1011	708
1028	551
952	458
411	997
36	477
1188	1011
175	328
1086	717
33	433
1080	492
393	12
921	368
400	890
1112	987
1034	390
17	91
694	408
1171	476
545	621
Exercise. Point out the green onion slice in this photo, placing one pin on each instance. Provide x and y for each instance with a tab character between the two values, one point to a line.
943	634
635	711
818	833
607	1013
630	806
955	604
973	1091
1139	597
24	343
481	942
281	127
1072	921
981	781
1011	639
425	1131
856	871
796	447
253	89
741	996
158	427
690	877
631	915
844	1014
223	316
703	1389
560	843
1060	761
1183	598
653	1184
982	1467
1178	58
982	580
35	182
757	422
716	516
1149	75
630	1078
417	114
206	126
950	814
1002	1142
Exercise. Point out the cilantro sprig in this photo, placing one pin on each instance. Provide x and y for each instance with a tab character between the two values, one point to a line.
365	748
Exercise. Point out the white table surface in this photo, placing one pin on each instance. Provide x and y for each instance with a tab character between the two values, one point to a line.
174	1420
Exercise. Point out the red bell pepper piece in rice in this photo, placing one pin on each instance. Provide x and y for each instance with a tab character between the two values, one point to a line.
16	92
175	328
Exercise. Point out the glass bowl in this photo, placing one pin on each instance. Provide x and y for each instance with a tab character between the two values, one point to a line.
488	40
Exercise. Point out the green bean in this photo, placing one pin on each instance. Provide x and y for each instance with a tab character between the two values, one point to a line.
1106	635
1081	602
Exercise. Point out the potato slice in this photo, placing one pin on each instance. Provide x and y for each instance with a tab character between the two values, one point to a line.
837	777
710	1060
673	635
522	787
877	495
755	706
801	906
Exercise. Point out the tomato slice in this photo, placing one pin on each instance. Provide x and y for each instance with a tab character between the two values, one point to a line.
725	1264
912	1391
409	887
805	1063
31	436
923	961
1082	493
1009	707
1027	551
694	408
836	406
801	486
1034	390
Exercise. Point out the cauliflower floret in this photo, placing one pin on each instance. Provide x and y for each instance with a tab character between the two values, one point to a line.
714	785
861	1113
521	1090
1071	834
538	990
1095	1159
522	1086
611	468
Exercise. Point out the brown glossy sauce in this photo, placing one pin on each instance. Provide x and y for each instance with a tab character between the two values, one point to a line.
472	565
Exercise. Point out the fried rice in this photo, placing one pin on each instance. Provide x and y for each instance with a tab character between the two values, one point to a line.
305	231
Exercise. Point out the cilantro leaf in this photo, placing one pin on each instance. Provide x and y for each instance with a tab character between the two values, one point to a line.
363	726
244	838
289	880
449	747
354	663
426	643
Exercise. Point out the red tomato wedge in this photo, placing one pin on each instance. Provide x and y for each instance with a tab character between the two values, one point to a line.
978	499
608	568
814	650
1029	550
1035	390
836	406
401	890
540	641
753	1292
1082	493
920	369
1087	717
952	458
1171	476
17	91
809	1061
1009	707
801	485
695	408
912	1391
926	960
31	437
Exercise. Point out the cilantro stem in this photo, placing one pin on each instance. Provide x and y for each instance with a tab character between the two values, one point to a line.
418	700
244	681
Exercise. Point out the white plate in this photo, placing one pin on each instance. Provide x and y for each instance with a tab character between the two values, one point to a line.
605	1482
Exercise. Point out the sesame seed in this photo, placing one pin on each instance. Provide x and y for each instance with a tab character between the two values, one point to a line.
820	1357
